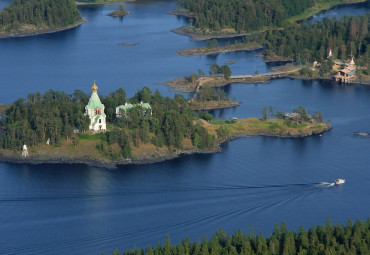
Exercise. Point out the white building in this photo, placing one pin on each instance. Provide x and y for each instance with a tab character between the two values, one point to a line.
122	109
95	110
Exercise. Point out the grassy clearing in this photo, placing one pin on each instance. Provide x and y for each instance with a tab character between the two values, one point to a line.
221	122
92	137
270	127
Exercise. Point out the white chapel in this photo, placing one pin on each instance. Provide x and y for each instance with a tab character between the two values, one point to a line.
95	110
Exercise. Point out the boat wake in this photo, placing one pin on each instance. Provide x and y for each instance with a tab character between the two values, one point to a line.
324	184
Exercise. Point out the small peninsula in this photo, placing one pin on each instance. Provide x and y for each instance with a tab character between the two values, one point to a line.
38	17
114	130
194	82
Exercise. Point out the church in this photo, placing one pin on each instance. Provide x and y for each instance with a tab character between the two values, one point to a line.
348	73
95	110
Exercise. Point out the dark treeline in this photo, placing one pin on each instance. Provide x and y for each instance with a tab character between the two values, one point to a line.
346	37
56	115
40	13
243	15
351	239
170	123
52	115
208	93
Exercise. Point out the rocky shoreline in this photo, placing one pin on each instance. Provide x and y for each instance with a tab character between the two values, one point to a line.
185	31
105	163
150	158
212	105
41	32
110	164
221	49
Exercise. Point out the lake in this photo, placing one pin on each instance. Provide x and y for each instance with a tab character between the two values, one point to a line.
259	181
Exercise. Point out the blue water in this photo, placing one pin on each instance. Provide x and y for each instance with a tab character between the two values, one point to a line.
74	59
259	181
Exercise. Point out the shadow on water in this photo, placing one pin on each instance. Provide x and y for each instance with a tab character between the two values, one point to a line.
90	11
212	57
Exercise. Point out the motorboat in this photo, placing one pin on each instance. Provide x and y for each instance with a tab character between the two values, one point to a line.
339	181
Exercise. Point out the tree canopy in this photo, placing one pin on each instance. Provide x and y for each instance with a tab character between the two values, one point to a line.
56	115
39	13
327	239
243	15
346	38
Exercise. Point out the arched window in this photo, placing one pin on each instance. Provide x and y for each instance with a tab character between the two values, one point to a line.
99	120
97	111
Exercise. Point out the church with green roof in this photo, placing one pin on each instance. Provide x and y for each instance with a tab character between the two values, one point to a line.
95	110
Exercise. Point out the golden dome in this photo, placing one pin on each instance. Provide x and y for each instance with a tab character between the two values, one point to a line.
94	88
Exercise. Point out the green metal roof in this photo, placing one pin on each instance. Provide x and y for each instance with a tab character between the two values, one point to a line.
95	102
129	106
126	106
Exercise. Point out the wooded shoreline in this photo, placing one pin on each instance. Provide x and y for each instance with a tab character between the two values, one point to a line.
10	156
201	35
41	32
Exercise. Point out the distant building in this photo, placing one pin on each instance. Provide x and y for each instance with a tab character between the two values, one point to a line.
291	115
122	109
348	73
95	110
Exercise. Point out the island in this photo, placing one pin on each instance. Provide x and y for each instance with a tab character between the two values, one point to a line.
341	55
38	17
214	48
108	131
219	19
120	12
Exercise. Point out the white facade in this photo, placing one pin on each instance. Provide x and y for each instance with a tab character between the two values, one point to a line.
95	110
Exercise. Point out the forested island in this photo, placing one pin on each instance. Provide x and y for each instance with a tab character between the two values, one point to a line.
217	18
56	130
22	18
349	239
214	48
320	49
120	12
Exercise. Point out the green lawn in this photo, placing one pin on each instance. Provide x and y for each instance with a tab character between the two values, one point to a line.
92	137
